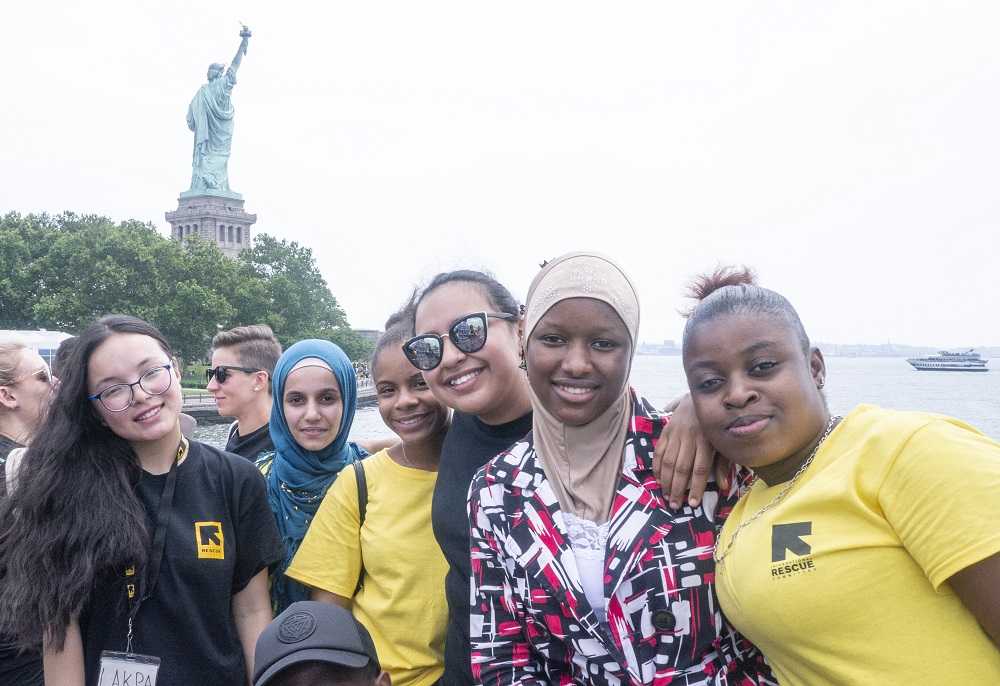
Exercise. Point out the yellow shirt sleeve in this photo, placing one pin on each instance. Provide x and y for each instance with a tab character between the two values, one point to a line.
941	495
330	555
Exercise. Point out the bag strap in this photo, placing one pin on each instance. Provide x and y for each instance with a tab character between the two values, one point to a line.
362	481
359	476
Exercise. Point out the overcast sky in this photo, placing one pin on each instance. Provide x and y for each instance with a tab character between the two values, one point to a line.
847	151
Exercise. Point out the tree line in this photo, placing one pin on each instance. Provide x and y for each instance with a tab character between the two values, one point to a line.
62	272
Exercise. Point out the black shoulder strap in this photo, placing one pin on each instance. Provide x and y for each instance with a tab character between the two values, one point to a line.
359	476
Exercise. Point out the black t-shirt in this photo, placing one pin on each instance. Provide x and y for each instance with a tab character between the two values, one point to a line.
253	445
469	445
16	668
220	534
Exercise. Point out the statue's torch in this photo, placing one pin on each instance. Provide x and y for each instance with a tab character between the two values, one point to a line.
245	34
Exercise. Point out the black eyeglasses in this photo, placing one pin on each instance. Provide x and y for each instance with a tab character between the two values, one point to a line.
118	398
468	333
222	372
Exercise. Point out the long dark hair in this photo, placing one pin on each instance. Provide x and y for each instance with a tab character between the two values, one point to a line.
74	519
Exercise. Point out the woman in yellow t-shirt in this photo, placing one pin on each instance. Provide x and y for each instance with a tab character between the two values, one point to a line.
868	549
392	553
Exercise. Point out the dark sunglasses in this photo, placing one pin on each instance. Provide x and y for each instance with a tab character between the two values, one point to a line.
222	372
468	333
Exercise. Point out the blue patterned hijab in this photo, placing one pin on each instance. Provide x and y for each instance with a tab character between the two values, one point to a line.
299	478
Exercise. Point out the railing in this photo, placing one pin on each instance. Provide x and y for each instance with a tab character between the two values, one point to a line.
198	399
204	400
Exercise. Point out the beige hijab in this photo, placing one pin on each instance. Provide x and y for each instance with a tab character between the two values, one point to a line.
582	463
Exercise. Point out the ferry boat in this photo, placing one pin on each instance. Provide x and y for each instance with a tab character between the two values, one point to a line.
944	361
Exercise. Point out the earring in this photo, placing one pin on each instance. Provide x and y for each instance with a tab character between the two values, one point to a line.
524	363
820	384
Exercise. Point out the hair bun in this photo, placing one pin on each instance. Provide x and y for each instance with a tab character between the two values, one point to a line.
704	285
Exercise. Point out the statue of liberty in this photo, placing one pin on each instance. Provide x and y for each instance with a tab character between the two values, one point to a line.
210	116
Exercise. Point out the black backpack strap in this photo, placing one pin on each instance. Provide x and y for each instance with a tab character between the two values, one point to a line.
359	476
362	481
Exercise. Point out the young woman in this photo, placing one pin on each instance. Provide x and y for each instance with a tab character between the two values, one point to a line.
123	536
580	571
25	391
467	346
316	395
868	550
392	551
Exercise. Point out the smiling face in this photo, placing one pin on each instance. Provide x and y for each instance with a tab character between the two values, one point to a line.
755	392
405	401
486	383
313	406
578	359
123	358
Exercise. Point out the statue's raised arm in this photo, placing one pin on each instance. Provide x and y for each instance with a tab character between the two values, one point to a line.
210	116
240	51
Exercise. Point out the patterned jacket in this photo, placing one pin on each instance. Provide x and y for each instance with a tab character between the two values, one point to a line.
531	621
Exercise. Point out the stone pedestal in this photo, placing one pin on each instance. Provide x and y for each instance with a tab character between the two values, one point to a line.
215	216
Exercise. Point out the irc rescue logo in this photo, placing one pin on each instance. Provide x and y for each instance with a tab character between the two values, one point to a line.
209	540
785	539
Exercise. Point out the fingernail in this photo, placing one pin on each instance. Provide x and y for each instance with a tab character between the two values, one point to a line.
693	502
674	505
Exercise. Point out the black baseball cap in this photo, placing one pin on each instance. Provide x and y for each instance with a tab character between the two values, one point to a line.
310	631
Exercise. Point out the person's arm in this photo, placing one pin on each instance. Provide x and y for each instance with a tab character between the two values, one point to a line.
374	445
684	459
240	51
65	667
251	614
501	653
329	560
978	586
321	596
941	494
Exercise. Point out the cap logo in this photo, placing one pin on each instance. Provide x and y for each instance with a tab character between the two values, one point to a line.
296	627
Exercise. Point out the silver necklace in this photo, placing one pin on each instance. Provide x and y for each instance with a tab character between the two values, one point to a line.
406	458
719	557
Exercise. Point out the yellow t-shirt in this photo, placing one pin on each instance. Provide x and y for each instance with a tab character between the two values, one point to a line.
844	581
402	602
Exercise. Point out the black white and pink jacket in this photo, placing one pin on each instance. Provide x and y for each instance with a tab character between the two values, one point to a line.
530	619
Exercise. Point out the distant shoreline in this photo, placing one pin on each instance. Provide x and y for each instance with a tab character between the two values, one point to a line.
848	350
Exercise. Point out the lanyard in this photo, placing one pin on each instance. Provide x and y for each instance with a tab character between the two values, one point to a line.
152	575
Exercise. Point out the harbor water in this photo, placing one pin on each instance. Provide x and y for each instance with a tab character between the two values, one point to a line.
885	381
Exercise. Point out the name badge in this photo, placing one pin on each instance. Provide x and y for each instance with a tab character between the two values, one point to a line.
127	669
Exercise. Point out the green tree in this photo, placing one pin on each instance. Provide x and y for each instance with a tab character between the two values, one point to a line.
22	242
295	301
63	272
356	346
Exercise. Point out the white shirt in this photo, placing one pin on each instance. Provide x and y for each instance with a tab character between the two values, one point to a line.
589	542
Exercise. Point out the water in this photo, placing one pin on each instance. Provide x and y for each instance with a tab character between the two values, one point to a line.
885	381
